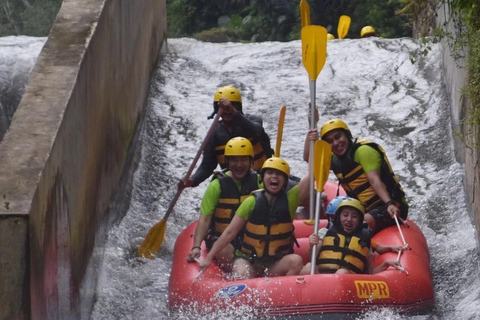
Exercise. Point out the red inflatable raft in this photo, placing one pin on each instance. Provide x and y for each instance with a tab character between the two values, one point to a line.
213	293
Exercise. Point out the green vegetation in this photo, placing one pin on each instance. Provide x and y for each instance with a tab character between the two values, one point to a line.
279	20
233	20
465	43
27	17
472	13
382	15
239	20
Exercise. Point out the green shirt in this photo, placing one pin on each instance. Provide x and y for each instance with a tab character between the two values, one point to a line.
369	158
247	206
212	195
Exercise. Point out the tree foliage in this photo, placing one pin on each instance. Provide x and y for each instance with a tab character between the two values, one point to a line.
27	17
254	20
469	13
279	20
233	20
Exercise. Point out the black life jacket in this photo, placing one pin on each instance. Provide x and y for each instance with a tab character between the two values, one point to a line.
230	199
340	250
355	182
268	232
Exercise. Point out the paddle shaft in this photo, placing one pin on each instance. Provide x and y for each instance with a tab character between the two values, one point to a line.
195	160
322	159
317	216
313	125
281	120
314	46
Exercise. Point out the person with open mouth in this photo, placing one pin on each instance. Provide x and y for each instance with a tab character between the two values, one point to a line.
266	221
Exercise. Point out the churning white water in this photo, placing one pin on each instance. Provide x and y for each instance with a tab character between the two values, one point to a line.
17	58
370	83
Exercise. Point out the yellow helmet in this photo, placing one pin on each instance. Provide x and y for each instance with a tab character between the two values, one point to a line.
333	124
330	36
354	203
276	163
367	31
229	92
238	146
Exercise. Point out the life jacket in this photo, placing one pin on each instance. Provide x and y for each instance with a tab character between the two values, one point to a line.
268	232
230	199
340	250
222	135
354	180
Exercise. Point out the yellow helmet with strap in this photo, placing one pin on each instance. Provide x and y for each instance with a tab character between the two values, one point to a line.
238	147
276	163
229	92
354	203
332	125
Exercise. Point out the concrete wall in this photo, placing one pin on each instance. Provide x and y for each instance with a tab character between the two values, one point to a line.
455	80
466	137
64	154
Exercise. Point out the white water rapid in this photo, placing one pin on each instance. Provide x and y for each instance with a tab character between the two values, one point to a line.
370	83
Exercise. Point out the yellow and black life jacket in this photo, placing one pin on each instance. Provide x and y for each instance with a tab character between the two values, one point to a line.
340	250
230	199
355	182
268	232
261	145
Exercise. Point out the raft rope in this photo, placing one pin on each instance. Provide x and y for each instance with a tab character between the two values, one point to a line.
197	277
405	245
401	233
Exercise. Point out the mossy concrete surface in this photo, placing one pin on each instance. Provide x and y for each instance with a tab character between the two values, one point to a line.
465	134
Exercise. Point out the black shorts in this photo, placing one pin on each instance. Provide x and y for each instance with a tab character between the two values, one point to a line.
382	217
260	264
211	240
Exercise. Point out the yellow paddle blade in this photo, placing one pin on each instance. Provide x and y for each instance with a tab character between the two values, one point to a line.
281	120
343	26
304	13
309	222
314	49
153	241
322	159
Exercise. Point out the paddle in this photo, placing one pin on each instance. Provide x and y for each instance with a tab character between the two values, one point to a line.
281	120
156	234
314	52
343	26
304	13
322	159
